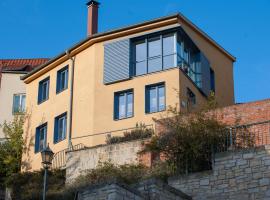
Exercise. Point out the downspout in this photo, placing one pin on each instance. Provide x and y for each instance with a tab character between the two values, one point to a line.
71	99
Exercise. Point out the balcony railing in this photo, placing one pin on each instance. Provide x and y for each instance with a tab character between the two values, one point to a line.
59	159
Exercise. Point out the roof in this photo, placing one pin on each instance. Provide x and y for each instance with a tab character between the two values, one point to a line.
97	35
23	65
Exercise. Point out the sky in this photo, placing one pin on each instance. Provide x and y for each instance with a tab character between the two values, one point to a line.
45	28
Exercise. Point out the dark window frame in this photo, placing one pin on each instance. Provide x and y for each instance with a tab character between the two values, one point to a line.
37	137
191	97
147	101
40	90
56	138
212	80
117	94
59	80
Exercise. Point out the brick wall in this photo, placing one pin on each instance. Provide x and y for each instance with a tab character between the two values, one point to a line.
235	175
246	113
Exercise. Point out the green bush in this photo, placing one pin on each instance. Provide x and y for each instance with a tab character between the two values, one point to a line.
29	185
140	132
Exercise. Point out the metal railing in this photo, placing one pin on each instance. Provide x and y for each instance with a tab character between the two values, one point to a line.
246	136
59	159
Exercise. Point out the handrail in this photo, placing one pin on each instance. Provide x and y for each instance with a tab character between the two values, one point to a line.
110	132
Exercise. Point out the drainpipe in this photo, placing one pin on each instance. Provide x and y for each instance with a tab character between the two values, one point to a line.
71	99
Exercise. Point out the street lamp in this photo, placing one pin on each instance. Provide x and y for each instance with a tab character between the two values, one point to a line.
47	157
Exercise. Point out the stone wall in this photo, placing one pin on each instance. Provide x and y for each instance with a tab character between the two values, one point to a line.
235	175
79	161
151	189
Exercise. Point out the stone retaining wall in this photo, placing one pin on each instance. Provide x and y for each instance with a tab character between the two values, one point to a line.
241	175
82	160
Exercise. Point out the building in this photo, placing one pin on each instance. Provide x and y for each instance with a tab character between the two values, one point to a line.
110	81
12	89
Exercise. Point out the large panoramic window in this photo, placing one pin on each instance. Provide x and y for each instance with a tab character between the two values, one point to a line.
43	90
155	53
60	128
155	98
41	138
18	103
62	79
123	104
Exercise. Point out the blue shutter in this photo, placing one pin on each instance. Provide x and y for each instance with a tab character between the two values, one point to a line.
55	135
205	67
58	82
37	140
116	106
116	61
147	99
39	92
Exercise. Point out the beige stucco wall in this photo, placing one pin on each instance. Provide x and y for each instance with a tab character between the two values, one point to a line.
93	101
10	85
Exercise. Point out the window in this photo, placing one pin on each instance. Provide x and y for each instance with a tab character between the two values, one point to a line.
60	128
41	138
62	79
155	98
18	103
123	104
155	53
191	97
212	80
43	90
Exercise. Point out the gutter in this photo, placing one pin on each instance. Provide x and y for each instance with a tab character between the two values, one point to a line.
70	98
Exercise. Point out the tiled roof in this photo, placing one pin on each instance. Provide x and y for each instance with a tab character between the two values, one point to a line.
25	65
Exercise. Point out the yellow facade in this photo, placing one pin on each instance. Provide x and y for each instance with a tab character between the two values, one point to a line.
93	101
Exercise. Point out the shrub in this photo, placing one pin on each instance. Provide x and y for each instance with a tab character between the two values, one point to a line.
140	132
187	141
29	185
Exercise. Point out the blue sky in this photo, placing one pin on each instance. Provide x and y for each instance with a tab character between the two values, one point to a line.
45	28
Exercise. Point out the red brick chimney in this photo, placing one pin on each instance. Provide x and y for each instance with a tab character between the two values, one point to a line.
92	21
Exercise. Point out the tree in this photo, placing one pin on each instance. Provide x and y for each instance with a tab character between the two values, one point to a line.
186	141
11	150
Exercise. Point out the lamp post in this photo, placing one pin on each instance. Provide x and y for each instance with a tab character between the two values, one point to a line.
47	156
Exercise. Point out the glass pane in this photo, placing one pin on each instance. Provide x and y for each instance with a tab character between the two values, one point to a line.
16	104
63	80
129	105
23	103
154	47
60	128
140	50
186	55
161	96
154	65
168	44
122	106
169	61
153	99
141	68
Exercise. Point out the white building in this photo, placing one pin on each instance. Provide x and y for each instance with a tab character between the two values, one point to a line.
12	89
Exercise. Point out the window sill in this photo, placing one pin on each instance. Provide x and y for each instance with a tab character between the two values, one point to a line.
59	141
148	113
123	118
40	102
60	91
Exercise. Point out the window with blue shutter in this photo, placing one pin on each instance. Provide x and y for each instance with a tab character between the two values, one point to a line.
43	90
116	61
41	138
60	128
123	104
155	98
62	79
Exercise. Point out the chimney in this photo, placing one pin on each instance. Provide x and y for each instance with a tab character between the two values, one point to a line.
92	23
